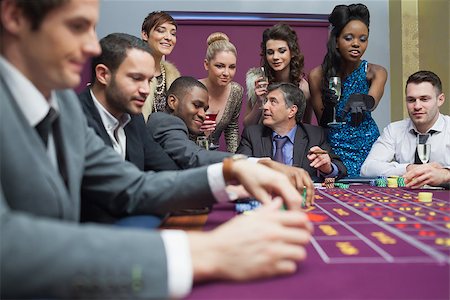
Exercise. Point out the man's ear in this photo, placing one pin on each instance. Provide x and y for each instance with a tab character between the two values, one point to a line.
293	111
102	74
12	17
441	99
172	102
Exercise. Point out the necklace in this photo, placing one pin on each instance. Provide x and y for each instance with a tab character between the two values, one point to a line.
160	87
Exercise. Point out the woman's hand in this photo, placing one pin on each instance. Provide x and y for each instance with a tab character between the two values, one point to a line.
208	127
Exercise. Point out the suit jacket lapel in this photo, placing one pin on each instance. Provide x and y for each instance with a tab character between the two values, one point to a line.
40	160
266	142
300	145
134	146
93	116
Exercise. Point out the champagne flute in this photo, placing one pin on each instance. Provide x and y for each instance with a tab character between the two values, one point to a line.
263	83
203	142
211	115
423	147
335	85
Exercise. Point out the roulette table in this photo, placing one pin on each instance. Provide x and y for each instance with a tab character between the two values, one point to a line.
368	243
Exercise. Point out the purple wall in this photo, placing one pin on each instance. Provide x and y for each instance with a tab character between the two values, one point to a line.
190	50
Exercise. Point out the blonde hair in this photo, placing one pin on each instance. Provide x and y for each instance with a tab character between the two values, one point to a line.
218	42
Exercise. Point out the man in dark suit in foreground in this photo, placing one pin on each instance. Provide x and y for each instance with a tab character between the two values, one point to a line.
283	137
113	106
44	252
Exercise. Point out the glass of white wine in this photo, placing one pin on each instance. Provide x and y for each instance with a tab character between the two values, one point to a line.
423	147
334	84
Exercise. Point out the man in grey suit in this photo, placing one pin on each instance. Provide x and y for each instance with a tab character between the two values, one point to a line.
176	130
44	252
301	145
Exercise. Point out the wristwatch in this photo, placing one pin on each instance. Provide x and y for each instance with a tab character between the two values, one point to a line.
228	165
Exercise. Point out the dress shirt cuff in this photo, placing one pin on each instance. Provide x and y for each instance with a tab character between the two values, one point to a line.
334	172
179	264
217	182
400	169
254	159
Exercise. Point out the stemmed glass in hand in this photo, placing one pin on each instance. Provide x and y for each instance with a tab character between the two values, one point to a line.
423	147
211	115
335	85
261	83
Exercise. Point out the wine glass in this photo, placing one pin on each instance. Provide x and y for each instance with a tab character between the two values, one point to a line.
423	147
211	115
335	85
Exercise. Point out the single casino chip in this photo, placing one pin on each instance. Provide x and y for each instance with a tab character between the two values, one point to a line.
425	197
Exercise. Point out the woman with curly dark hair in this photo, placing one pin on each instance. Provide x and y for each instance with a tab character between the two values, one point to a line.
361	89
282	61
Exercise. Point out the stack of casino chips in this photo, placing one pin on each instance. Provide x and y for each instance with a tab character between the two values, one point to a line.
250	205
392	182
401	181
425	197
381	181
329	182
342	185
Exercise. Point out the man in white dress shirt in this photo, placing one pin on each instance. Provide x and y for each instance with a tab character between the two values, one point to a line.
394	153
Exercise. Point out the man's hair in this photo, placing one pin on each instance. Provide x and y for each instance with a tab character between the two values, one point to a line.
293	95
181	86
35	11
426	76
114	50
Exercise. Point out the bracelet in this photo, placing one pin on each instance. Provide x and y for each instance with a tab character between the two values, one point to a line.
228	167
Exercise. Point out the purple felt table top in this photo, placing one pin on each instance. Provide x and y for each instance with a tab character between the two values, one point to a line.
368	243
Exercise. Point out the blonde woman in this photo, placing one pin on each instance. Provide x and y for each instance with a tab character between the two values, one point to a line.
159	30
225	95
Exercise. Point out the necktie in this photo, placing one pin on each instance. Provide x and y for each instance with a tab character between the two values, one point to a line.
51	124
279	143
423	140
44	127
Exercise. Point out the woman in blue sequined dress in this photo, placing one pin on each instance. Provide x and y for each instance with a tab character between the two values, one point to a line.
347	43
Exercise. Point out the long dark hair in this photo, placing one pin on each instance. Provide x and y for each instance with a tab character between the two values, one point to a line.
339	18
283	32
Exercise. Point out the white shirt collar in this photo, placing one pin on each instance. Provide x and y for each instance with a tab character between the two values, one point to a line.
31	102
438	126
